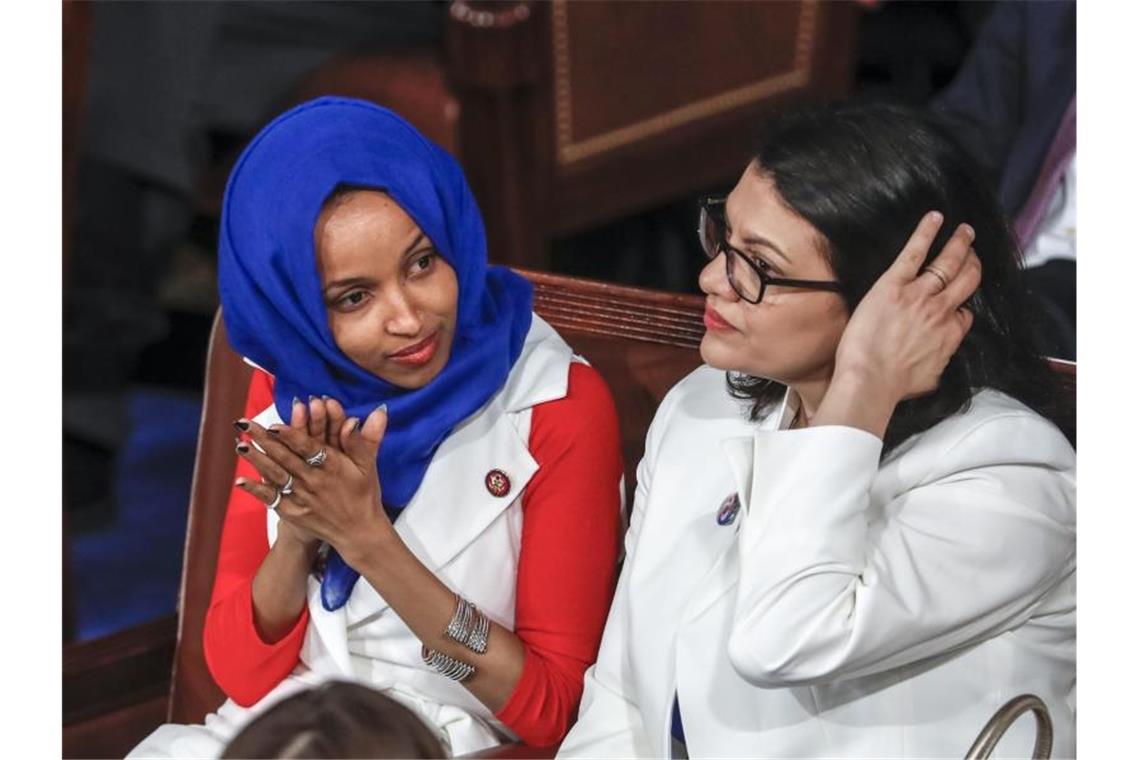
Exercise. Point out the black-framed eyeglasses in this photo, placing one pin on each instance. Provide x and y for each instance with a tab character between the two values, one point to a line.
745	274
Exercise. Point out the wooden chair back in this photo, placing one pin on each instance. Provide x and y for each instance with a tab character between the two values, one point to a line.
641	341
575	114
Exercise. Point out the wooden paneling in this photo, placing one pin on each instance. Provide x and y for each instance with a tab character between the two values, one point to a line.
575	114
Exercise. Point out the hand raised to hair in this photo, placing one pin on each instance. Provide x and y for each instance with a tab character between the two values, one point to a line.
902	334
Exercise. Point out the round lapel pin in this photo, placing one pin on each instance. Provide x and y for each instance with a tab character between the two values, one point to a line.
726	515
497	483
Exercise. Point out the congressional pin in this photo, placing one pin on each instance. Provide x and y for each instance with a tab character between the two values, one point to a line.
497	483
726	515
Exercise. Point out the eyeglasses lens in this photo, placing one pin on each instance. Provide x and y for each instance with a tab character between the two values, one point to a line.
707	229
744	278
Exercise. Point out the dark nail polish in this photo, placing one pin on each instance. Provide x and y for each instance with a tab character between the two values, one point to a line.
242	425
356	425
274	431
240	483
243	448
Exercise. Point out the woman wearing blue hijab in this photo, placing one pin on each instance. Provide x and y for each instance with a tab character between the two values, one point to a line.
442	476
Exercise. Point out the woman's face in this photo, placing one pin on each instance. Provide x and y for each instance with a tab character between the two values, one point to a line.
391	298
792	334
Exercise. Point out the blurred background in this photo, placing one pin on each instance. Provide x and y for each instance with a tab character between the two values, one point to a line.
588	131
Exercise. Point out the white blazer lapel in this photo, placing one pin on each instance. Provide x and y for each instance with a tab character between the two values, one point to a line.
325	648
720	576
454	504
739	452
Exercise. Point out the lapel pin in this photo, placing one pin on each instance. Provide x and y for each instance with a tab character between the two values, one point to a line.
726	515
497	483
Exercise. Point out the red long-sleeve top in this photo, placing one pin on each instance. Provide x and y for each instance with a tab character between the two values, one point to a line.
567	563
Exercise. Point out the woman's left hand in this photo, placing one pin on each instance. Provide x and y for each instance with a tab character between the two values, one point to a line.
904	331
902	334
338	500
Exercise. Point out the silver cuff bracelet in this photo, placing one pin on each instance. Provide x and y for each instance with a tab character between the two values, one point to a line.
469	626
449	667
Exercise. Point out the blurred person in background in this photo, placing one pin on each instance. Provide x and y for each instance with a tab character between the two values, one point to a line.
171	87
1013	104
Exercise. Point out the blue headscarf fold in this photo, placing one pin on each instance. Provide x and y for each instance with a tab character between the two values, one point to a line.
271	294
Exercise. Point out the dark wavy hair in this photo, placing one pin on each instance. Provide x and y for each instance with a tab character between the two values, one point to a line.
338	719
863	174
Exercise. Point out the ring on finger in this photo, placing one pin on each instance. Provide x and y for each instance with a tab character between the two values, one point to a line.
316	460
942	278
277	494
288	487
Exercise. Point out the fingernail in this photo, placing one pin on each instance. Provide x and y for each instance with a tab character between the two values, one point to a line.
355	424
240	482
312	398
296	401
383	408
323	396
242	425
969	231
935	216
242	448
274	431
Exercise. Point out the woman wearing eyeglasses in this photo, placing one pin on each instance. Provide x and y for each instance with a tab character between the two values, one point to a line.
859	542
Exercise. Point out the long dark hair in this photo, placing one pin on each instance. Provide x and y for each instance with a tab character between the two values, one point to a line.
863	174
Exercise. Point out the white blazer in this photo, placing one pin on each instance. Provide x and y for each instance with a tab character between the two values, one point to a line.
853	608
467	536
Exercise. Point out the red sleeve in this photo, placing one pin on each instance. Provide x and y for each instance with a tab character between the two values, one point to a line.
243	665
568	557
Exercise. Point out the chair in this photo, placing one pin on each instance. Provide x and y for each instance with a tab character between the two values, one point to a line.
563	127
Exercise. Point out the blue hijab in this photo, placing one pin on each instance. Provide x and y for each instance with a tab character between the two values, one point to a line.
271	294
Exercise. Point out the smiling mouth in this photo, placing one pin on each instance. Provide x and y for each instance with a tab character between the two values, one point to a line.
417	354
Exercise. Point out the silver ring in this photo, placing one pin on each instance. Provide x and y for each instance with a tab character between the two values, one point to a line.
288	487
316	460
276	500
938	273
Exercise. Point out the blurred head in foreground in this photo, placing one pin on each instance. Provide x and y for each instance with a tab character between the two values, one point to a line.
336	720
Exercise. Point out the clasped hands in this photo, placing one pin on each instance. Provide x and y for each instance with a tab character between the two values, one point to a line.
338	501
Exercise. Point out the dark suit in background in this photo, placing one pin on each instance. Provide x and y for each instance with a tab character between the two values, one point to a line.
1006	105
